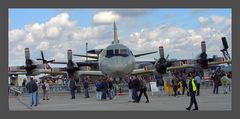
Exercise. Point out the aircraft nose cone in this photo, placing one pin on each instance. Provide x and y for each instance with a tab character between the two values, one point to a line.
116	67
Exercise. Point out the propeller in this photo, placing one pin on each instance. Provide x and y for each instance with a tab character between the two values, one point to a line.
225	49
44	60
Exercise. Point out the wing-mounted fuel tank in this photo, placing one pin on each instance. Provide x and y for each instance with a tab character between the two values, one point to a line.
203	56
71	66
29	64
161	64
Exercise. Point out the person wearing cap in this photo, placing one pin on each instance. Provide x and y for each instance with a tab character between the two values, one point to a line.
192	88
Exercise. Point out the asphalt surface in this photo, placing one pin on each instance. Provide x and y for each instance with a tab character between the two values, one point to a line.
61	101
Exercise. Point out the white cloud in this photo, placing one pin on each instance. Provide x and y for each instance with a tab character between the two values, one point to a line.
43	46
202	20
55	35
60	33
20	47
16	35
88	33
178	42
105	17
228	21
129	13
53	32
59	56
60	20
217	19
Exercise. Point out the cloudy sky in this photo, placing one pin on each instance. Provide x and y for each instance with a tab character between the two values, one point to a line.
54	31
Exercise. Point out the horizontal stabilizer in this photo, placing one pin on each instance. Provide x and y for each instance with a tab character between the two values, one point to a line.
95	51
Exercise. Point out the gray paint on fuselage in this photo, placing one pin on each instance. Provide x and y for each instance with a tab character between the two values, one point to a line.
39	69
116	66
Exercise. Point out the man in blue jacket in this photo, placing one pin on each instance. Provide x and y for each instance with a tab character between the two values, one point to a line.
32	88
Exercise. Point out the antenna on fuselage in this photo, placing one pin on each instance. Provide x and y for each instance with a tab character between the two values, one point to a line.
115	33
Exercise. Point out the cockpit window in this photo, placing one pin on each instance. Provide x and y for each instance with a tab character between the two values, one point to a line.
109	53
117	52
130	52
123	51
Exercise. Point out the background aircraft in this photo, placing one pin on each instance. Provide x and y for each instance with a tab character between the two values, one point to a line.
32	67
203	62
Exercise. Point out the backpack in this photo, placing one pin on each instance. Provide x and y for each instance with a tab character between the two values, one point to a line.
43	87
161	82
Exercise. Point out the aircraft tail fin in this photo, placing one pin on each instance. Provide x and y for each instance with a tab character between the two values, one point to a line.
115	33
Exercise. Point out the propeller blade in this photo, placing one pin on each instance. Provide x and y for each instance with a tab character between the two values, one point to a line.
167	57
51	61
42	55
39	59
224	42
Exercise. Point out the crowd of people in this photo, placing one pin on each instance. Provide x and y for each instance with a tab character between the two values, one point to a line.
107	88
177	82
135	85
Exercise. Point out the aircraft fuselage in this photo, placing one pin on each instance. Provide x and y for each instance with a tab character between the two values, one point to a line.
116	60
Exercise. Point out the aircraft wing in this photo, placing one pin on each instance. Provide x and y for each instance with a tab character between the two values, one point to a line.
55	71
90	73
220	62
142	54
180	67
58	62
196	66
93	57
16	69
145	62
95	51
90	63
141	71
17	73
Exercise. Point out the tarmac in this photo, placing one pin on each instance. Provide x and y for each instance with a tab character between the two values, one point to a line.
207	101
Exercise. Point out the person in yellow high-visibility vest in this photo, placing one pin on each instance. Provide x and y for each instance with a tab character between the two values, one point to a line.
192	88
